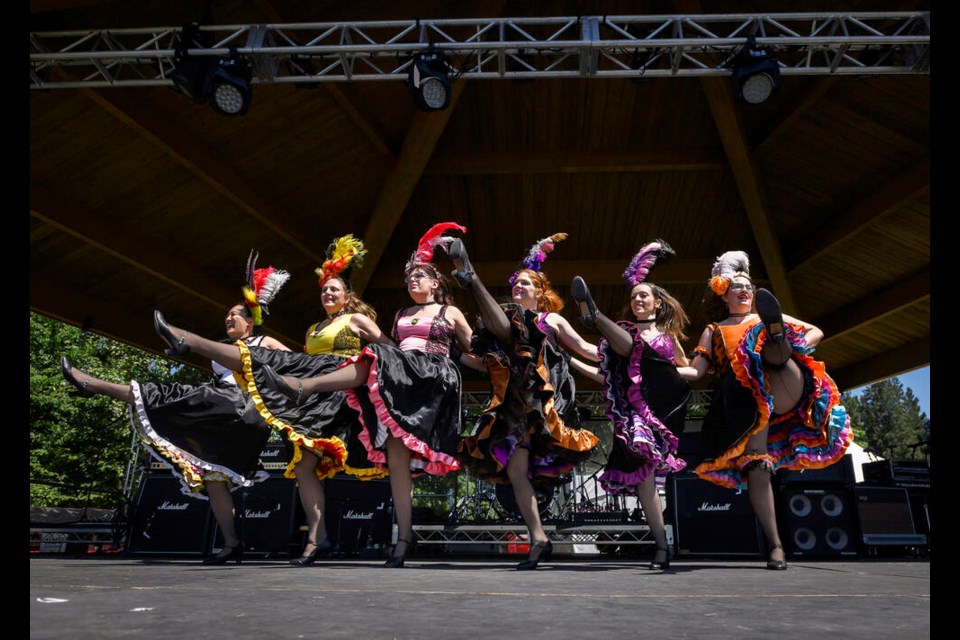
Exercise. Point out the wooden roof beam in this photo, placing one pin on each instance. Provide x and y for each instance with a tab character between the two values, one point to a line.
790	113
875	306
885	200
71	218
870	370
200	160
461	164
418	146
726	115
373	132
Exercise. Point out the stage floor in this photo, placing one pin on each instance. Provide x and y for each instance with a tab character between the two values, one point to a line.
588	597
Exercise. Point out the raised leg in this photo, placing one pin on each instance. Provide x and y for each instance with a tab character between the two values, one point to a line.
490	312
618	338
86	385
181	341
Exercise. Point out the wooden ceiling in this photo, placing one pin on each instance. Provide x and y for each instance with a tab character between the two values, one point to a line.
141	199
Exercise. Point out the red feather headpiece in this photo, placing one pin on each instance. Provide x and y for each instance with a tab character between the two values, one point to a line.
430	241
262	285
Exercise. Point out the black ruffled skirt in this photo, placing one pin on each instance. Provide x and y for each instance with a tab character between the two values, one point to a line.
202	432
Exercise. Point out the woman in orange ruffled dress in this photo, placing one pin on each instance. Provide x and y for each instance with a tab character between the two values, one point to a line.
773	406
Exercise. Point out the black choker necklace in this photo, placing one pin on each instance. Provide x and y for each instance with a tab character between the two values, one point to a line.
423	304
738	315
337	314
647	320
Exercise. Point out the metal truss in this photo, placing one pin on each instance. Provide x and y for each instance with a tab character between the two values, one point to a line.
511	534
872	43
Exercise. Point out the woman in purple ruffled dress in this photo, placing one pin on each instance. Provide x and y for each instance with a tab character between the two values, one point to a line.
646	396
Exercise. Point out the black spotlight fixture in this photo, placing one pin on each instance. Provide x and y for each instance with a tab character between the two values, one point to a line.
224	82
429	80
756	73
230	90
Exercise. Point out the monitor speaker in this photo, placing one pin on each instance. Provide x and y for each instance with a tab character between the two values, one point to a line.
886	517
265	519
166	521
359	514
820	521
710	520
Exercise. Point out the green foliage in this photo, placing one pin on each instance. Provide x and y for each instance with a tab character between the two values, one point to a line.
80	447
887	420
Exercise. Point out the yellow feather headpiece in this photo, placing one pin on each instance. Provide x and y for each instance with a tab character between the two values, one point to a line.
345	252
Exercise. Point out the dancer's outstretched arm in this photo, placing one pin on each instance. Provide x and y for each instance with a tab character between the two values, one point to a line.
570	339
586	370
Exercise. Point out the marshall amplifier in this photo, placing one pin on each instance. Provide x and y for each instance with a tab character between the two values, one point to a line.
359	514
266	515
165	521
897	473
709	520
274	457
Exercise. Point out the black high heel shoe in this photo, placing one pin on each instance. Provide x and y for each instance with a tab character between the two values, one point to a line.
664	564
81	390
278	384
588	309
768	308
321	549
226	554
396	562
776	565
176	345
458	252
539	551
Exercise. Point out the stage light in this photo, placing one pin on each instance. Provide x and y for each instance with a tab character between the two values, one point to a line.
756	73
429	80
230	90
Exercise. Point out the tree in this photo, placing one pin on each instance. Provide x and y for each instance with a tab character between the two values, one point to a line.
887	421
80	448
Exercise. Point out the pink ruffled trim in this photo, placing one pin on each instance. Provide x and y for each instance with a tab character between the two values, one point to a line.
437	463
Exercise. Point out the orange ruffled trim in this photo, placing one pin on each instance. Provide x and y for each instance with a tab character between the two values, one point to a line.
724	461
573	439
331	452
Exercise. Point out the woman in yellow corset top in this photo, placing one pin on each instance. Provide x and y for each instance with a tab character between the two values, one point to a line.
320	433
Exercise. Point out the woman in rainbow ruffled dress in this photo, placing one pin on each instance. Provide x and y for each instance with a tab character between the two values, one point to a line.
530	430
773	406
209	435
407	397
645	394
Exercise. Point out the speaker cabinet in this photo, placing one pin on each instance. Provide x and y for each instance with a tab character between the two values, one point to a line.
839	474
709	520
165	521
886	517
266	515
820	521
359	514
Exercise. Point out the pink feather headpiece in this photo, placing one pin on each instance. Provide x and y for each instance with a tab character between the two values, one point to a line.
537	255
649	255
432	239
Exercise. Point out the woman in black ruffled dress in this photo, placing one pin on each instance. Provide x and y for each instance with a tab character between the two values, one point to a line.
209	435
530	430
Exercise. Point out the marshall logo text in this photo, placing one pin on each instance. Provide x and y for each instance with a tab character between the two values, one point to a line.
706	506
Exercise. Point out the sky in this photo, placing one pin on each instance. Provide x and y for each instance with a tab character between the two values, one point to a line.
917	381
